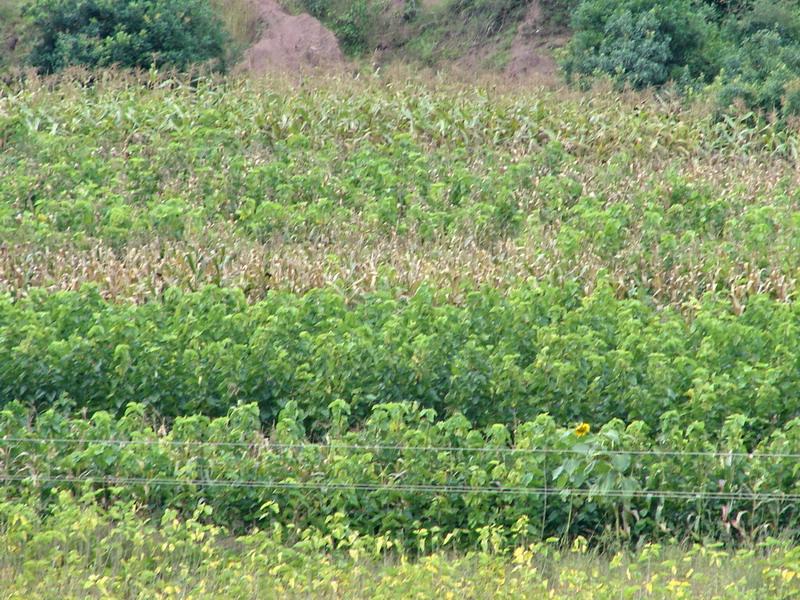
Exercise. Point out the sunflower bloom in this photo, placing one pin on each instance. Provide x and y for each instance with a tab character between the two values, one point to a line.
582	429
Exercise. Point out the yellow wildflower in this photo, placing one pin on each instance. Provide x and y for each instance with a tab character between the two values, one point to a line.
582	429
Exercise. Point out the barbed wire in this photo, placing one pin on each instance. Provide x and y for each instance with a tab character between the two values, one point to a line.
406	487
267	445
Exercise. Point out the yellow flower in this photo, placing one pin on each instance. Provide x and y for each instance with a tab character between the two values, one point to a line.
582	429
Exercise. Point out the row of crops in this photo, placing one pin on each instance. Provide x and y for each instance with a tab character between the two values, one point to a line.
365	185
496	358
421	483
402	316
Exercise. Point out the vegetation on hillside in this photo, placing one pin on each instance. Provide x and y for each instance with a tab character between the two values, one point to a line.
13	39
746	54
429	32
141	34
410	337
751	49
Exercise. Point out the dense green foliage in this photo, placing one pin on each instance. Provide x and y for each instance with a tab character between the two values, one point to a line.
129	33
642	42
606	288
352	21
497	358
420	482
764	71
753	48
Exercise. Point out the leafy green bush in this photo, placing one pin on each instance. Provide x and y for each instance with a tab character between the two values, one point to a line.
725	7
352	21
764	74
632	51
128	33
353	26
642	42
762	71
754	47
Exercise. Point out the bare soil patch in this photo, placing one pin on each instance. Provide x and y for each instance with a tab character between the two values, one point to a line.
290	42
532	49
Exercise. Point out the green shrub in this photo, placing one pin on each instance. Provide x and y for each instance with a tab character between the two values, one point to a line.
352	28
632	50
751	47
643	42
128	33
352	21
762	71
763	74
496	358
726	7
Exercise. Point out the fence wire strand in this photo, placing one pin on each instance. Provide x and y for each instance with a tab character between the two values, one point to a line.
268	445
404	487
274	485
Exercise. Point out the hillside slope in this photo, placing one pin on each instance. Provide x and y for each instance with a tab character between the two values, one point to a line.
531	49
515	37
11	41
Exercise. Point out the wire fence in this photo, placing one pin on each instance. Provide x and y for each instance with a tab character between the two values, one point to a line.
408	488
268	445
397	486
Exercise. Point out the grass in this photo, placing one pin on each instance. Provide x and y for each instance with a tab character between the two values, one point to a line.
88	552
11	34
476	577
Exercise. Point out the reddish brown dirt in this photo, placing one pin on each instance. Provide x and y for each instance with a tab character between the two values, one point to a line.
531	50
290	42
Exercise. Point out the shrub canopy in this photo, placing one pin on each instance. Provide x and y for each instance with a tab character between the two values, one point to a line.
642	42
751	50
128	33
